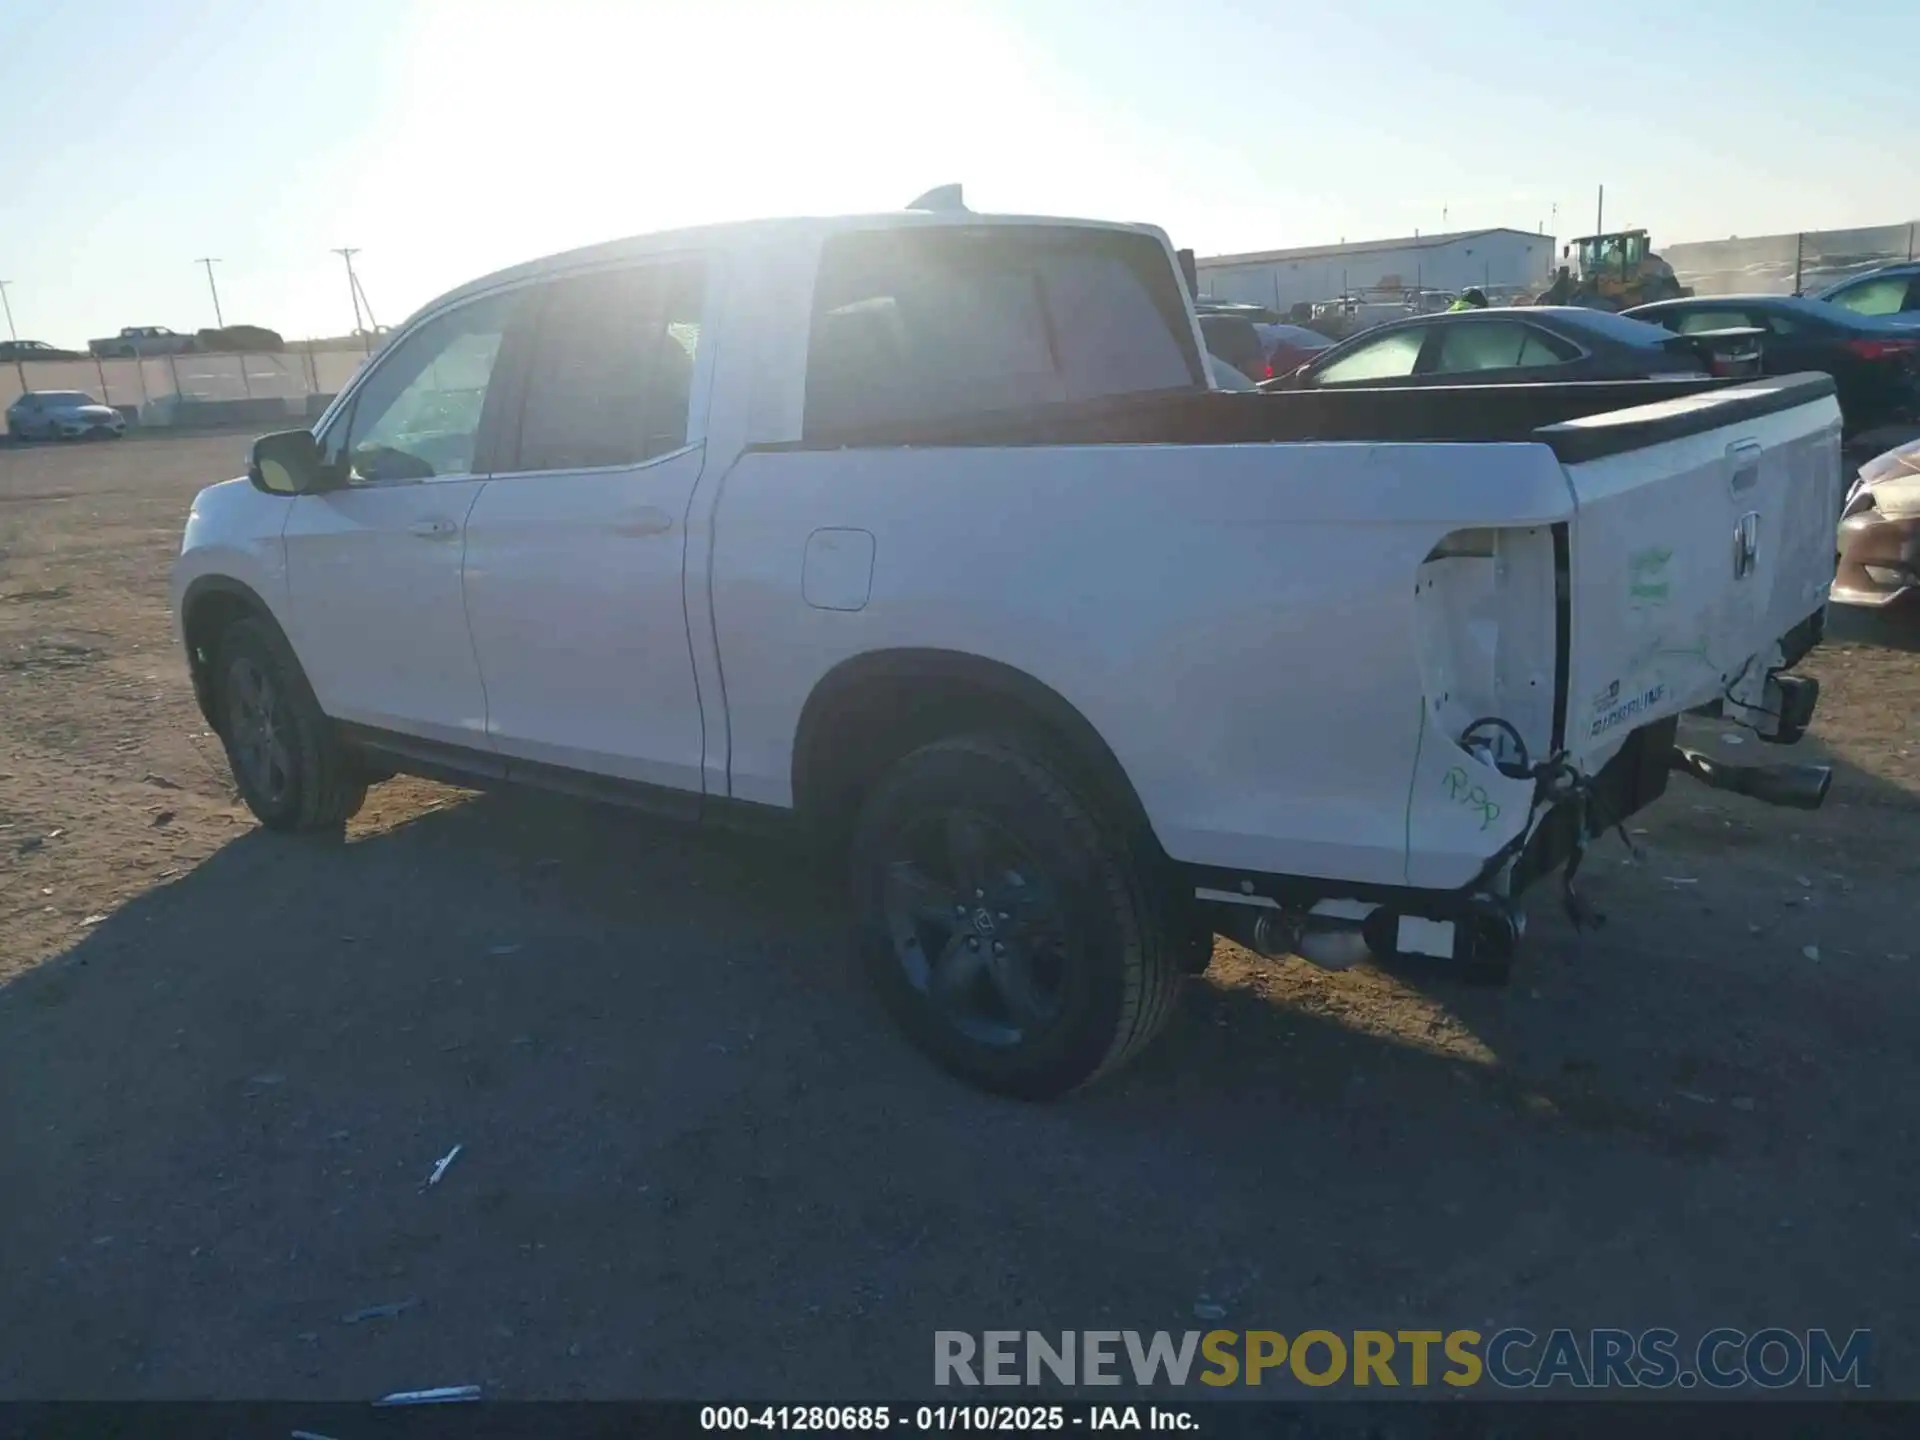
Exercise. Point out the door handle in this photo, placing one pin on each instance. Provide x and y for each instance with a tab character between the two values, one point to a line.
440	529
647	520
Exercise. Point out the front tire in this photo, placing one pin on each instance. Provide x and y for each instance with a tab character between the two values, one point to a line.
291	770
1015	935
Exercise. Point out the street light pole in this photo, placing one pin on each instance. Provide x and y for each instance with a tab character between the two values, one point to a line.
346	253
210	261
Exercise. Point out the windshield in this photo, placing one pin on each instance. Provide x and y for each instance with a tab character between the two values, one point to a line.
66	397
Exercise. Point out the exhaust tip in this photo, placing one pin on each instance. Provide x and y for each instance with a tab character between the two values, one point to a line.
1795	787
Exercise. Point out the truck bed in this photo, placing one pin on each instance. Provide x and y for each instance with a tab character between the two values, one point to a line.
1580	420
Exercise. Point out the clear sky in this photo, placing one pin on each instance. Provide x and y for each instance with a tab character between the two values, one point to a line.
448	137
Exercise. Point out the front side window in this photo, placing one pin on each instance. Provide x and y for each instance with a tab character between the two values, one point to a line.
1492	345
1885	296
1391	357
938	323
417	416
610	375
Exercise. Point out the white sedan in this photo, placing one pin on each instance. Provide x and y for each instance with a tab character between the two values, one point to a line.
62	415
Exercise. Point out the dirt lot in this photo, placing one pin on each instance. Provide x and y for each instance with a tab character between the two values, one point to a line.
696	1162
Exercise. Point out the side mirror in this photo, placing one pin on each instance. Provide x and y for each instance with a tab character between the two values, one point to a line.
287	463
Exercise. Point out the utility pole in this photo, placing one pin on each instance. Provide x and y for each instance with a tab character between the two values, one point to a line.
346	253
1600	212
210	261
13	334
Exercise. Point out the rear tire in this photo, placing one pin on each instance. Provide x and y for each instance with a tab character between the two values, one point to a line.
1014	934
291	770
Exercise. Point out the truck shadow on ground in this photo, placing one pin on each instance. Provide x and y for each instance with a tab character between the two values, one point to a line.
1894	627
666	1082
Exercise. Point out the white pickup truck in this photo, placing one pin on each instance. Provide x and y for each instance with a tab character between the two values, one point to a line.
928	532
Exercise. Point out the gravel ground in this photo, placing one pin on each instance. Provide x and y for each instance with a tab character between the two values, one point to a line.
696	1162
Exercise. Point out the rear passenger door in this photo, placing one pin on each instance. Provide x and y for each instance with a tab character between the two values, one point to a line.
575	547
1793	344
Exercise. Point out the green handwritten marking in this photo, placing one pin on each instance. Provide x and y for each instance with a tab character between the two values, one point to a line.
1642	561
1463	791
1646	574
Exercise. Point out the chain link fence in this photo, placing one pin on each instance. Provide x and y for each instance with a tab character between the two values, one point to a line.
196	388
1801	263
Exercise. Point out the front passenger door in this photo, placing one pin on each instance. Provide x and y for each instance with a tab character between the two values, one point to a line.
1386	359
374	567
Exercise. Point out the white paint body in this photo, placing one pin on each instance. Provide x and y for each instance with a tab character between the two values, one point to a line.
1254	630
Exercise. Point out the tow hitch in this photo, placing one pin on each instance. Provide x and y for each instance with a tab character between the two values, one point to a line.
1477	946
1798	787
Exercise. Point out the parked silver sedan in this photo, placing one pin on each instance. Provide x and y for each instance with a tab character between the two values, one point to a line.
62	415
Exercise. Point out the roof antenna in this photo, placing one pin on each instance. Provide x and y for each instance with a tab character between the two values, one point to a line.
941	197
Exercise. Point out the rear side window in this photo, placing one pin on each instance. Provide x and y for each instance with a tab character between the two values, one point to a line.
935	324
1496	345
610	372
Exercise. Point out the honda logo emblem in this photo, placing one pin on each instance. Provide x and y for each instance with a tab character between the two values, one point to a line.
1746	545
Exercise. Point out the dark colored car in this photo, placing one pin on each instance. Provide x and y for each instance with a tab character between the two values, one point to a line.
1890	290
1517	346
239	339
1874	360
1233	339
36	350
1246	310
1880	531
1288	348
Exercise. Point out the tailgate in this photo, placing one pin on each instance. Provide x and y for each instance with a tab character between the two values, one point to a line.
1702	534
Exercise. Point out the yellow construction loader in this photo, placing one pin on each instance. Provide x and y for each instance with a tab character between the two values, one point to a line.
1614	271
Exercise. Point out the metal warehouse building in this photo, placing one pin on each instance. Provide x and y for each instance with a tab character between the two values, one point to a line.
1502	259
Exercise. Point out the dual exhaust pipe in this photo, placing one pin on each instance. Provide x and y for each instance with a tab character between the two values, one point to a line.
1797	787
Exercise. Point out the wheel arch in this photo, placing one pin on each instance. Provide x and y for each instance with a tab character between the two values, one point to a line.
873	708
210	604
